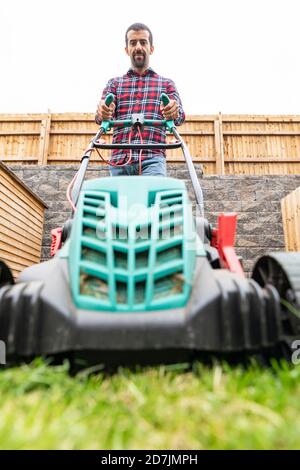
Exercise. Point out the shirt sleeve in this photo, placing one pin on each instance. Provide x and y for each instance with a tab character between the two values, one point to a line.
109	88
174	95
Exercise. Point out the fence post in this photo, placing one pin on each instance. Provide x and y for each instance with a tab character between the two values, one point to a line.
219	145
44	139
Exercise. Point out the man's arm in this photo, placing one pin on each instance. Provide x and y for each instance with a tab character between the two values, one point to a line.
106	113
174	110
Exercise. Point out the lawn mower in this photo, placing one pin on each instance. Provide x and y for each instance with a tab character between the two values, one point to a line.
136	278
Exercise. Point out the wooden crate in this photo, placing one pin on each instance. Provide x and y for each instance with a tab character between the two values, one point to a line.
21	222
290	207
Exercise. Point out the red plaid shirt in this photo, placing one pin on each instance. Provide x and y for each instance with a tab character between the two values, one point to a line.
136	93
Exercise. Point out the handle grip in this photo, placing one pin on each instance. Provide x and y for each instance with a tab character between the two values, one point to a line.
165	99
109	99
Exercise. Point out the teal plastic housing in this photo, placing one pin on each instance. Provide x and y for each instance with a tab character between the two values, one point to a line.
133	245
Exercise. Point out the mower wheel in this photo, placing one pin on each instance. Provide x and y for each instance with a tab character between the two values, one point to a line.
282	272
6	277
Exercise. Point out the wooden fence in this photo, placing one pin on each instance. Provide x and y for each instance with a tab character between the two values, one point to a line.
290	207
224	144
21	223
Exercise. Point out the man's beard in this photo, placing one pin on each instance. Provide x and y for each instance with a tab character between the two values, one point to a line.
139	63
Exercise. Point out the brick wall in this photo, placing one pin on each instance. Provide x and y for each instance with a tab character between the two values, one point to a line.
255	198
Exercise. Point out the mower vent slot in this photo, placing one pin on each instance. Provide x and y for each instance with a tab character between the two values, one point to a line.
94	256
93	286
121	290
93	218
95	196
171	199
140	292
94	211
93	201
91	232
170	254
141	259
121	259
172	284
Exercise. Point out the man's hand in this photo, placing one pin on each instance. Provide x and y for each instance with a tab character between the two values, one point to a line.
105	113
170	112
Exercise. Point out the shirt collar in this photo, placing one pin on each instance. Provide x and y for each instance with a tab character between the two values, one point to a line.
132	72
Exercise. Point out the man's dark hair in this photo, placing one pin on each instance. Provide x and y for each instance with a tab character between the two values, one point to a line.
139	27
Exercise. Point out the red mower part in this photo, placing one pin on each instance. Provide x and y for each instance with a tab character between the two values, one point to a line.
56	235
224	239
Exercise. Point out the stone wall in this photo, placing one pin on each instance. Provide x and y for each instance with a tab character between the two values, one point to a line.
256	199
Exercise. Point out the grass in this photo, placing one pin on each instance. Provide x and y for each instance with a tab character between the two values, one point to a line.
220	407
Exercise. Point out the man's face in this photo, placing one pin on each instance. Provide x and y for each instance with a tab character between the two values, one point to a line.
139	48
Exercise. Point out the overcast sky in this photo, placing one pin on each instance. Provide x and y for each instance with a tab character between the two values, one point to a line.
229	56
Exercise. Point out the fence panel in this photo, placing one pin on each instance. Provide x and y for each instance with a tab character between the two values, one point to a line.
224	144
290	207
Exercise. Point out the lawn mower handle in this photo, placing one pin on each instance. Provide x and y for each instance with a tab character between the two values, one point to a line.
106	125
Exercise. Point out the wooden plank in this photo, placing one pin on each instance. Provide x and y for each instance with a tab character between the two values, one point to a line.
21	117
20	132
7	241
20	190
219	149
21	205
44	140
6	173
21	240
12	159
262	133
262	160
284	223
290	206
22	230
18	267
295	195
7	200
259	118
20	221
18	256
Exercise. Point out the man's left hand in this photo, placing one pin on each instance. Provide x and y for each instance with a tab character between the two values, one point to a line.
170	112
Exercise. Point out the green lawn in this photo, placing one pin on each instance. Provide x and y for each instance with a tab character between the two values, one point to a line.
43	407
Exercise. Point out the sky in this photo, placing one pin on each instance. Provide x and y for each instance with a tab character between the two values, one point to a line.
229	56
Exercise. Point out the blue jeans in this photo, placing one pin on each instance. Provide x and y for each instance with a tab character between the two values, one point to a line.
152	166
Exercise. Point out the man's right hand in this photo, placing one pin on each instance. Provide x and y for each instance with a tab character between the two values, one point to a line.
105	113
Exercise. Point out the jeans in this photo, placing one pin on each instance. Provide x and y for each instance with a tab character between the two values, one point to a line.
151	166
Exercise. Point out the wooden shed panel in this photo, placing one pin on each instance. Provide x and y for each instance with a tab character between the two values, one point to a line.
26	196
18	256
21	222
15	239
21	231
7	196
290	208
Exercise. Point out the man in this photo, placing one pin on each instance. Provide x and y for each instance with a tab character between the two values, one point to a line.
138	91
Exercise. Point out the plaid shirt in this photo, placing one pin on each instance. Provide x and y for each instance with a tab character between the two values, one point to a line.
136	93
